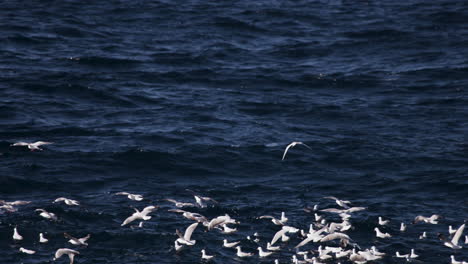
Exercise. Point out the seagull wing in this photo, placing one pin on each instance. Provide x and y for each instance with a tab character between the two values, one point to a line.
189	231
216	221
84	239
40	143
458	234
286	150
277	236
305	145
334	236
170	200
149	209
122	193
330	197
130	219
355	209
176	211
333	210
266	217
20	144
305	241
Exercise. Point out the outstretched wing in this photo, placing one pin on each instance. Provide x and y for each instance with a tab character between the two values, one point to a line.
286	150
277	236
189	231
458	234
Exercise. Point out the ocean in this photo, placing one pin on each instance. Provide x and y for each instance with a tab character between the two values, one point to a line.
167	99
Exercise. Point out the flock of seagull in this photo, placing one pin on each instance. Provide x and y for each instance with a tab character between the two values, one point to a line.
323	240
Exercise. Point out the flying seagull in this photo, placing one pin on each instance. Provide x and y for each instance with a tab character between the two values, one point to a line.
293	144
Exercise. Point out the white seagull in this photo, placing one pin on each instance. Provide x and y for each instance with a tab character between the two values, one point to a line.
140	215
26	251
42	239
47	215
383	222
241	254
433	219
185	238
66	251
293	144
378	233
402	227
66	201
16	235
276	221
134	197
227	244
77	241
32	146
180	204
262	253
205	256
454	242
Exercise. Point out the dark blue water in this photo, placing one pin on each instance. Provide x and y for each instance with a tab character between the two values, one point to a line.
156	97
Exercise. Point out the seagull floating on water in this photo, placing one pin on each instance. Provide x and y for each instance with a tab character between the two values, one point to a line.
453	261
16	235
227	244
433	219
383	222
378	233
262	253
276	221
32	146
241	254
205	256
293	144
27	251
42	239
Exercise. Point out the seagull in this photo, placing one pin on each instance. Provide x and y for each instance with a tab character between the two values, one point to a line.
262	253
47	215
77	241
423	236
191	216
185	238
16	235
140	215
334	236
383	222
241	254
412	254
66	201
402	227
398	255
282	232
220	220
380	234
453	261
227	244
342	203
134	197
292	145
32	146
180	204
201	200
454	242
204	256
66	251
27	251
433	219
275	221
42	239
466	239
